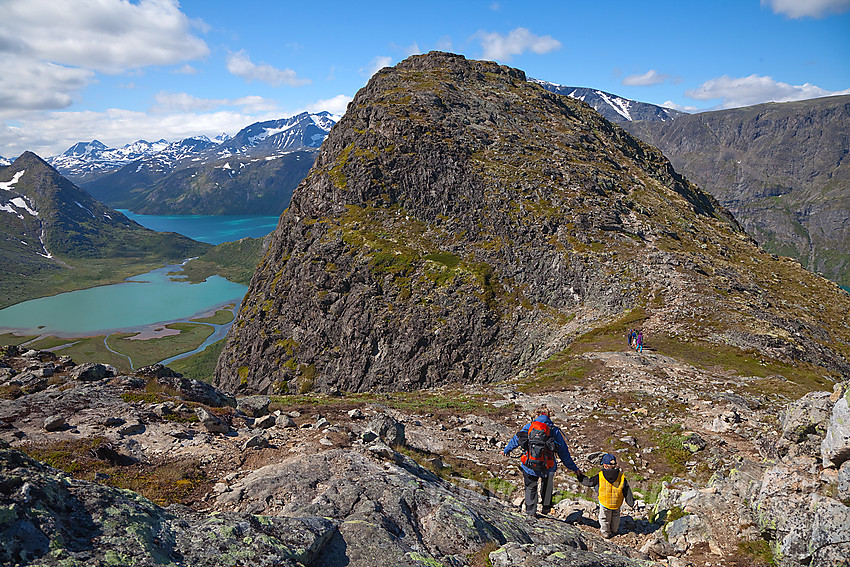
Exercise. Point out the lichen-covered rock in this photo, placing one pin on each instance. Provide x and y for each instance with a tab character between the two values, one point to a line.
390	503
835	447
807	416
47	518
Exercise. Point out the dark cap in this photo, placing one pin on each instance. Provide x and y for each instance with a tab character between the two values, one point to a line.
609	459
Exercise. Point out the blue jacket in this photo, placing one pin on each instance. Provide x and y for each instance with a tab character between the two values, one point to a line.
562	450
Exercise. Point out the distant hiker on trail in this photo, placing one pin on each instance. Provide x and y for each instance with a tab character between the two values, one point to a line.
639	341
613	488
541	440
631	337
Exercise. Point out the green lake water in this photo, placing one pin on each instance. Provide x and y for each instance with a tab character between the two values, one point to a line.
148	299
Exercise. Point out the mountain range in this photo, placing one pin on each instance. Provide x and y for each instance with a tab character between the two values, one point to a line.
613	107
252	173
462	224
54	236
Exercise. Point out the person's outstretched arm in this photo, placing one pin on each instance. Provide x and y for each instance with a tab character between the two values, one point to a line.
627	494
564	452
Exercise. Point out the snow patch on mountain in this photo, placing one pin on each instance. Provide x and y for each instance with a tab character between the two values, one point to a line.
611	106
7	185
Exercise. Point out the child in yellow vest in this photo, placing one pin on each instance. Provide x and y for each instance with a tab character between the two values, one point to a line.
613	490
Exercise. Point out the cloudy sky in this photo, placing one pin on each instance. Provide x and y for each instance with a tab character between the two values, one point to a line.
120	70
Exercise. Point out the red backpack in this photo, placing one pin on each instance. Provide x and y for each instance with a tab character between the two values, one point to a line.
539	455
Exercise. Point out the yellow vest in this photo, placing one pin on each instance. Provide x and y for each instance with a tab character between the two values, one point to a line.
611	496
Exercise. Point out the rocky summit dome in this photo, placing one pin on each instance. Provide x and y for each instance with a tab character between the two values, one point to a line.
462	224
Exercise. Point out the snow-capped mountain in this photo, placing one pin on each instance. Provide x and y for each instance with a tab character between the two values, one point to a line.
304	130
85	161
612	107
5	161
257	169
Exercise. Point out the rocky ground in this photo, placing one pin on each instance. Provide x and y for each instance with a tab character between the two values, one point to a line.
725	474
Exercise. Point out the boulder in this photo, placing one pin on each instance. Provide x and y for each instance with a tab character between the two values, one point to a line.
387	429
54	423
807	416
157	371
90	372
265	422
255	441
193	390
835	447
285	421
211	423
254	406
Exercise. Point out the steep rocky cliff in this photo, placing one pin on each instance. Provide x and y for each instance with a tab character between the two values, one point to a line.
461	224
782	169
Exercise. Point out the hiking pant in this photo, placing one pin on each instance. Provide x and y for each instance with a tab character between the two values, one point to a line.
547	484
609	521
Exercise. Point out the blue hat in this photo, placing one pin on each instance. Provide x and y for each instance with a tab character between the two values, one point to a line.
609	459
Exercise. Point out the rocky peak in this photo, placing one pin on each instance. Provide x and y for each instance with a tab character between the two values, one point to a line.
462	224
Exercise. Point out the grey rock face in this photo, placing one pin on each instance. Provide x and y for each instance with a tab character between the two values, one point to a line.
389	513
835	447
844	482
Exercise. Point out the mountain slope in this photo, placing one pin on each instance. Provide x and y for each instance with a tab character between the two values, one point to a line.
781	168
613	107
56	236
462	224
254	172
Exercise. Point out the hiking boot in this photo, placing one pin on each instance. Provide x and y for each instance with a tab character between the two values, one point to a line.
545	511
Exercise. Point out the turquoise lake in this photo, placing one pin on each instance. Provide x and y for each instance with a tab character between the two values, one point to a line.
154	298
207	228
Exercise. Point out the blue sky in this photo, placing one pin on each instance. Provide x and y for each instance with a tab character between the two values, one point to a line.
119	71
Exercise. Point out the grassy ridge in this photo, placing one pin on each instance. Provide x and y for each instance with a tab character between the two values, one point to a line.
235	261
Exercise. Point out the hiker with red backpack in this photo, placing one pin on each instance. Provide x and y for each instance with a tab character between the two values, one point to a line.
541	440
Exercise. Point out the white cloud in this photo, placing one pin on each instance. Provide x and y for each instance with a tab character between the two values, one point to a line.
746	91
679	107
336	105
651	77
807	8
186	70
38	85
183	102
240	64
499	47
110	36
376	65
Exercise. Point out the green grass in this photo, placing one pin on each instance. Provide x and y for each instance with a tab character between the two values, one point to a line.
200	366
235	261
221	317
671	447
151	351
13	339
92	349
164	482
759	551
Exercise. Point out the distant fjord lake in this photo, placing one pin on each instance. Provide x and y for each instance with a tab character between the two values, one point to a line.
212	229
142	301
